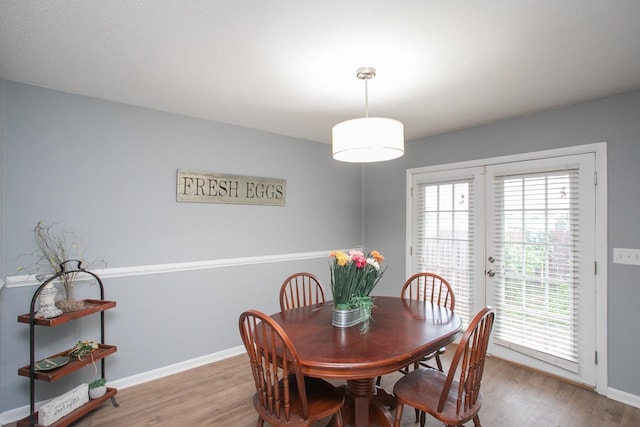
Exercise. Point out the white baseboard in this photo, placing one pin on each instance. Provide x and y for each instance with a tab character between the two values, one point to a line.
175	368
13	415
624	397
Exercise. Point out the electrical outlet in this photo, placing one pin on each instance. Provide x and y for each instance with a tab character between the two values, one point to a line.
626	256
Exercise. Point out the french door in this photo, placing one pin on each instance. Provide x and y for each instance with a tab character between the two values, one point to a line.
520	236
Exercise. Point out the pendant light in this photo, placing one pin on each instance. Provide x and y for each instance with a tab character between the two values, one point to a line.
367	139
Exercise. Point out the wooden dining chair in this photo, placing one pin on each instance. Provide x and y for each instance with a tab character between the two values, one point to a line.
299	290
454	398
284	396
434	289
427	288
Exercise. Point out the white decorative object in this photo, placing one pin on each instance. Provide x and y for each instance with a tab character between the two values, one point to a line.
63	405
97	392
47	302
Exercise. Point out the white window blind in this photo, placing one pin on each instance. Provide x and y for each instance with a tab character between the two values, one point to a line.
537	294
444	238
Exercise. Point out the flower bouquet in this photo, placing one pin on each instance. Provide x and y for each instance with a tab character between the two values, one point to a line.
353	277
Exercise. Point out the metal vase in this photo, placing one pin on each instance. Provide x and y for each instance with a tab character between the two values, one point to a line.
343	318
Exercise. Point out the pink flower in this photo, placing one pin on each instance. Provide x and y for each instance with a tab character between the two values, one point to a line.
358	258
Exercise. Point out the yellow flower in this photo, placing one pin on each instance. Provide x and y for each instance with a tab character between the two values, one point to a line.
342	258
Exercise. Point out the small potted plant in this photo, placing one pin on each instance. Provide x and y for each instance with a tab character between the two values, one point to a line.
97	388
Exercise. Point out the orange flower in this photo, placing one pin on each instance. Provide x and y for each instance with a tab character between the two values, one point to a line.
377	256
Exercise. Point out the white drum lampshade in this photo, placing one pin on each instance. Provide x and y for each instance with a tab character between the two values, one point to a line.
368	139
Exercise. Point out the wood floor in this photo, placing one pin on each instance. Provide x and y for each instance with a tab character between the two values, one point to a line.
219	394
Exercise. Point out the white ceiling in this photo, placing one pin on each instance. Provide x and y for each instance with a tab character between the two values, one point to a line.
288	66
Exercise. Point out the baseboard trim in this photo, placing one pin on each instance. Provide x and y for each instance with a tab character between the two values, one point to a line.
175	368
623	397
16	414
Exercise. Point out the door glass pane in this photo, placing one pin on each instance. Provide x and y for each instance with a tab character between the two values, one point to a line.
537	289
445	246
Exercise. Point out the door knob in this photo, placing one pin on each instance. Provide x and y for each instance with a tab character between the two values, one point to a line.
491	273
492	259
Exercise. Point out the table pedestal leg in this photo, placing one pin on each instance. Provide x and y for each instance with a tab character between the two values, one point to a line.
362	408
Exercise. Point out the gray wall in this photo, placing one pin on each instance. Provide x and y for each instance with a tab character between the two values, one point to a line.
109	172
615	120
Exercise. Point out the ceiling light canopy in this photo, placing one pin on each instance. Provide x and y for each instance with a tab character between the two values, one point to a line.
368	139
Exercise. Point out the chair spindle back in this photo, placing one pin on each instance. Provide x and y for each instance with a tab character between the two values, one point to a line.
299	290
273	358
429	287
469	357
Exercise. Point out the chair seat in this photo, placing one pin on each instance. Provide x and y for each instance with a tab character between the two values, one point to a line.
323	398
421	389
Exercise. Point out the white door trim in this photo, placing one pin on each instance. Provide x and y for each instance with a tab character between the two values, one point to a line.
600	151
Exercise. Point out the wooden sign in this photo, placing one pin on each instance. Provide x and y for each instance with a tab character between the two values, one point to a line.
57	408
206	187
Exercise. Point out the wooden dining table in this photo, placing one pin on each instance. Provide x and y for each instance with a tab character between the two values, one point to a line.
399	333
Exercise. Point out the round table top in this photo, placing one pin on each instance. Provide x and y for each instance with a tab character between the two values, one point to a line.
400	332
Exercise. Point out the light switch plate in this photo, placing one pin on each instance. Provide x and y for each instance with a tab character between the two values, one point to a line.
626	256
